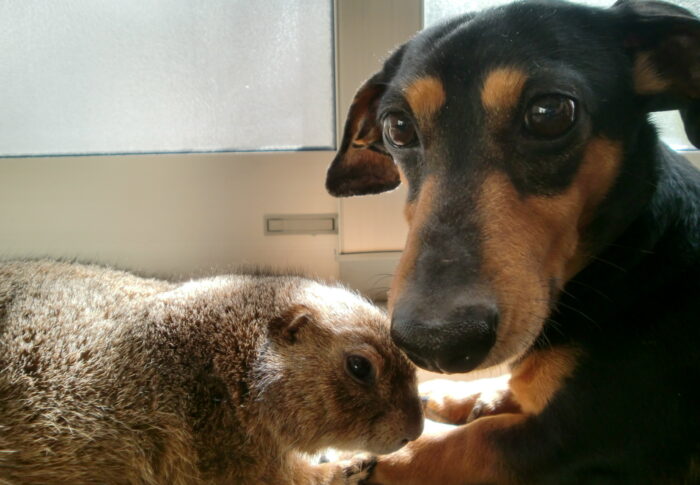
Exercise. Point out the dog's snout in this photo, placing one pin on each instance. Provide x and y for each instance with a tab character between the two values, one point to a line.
457	343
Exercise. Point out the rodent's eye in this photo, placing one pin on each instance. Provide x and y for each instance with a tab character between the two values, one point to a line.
550	115
399	130
360	369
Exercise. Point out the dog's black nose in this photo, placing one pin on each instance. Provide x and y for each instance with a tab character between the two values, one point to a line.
457	343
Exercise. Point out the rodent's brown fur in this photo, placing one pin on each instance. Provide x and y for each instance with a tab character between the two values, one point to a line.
106	377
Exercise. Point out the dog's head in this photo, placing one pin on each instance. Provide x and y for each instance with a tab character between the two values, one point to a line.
512	128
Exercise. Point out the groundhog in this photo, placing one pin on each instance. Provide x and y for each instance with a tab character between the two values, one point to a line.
109	378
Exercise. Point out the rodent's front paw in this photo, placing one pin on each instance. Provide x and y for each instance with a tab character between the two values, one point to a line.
355	470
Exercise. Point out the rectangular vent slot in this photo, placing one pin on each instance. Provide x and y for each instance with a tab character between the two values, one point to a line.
301	224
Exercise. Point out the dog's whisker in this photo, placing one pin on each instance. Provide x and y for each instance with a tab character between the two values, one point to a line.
609	263
579	312
590	287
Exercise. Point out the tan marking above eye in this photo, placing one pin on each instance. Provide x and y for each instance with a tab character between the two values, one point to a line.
426	96
502	88
647	79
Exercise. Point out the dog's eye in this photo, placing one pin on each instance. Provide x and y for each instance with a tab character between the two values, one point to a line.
550	116
399	130
360	369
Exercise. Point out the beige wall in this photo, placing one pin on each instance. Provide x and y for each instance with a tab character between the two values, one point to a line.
171	215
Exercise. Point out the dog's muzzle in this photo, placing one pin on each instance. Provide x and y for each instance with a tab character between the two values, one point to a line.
457	343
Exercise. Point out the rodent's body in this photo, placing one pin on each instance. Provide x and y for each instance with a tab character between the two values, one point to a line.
106	377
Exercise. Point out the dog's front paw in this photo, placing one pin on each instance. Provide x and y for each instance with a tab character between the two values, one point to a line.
441	405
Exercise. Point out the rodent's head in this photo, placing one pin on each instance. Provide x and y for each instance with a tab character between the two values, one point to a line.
333	377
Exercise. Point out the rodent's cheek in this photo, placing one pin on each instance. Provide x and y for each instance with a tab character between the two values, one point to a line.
394	433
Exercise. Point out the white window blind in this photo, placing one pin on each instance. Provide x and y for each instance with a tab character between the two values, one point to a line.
135	76
669	123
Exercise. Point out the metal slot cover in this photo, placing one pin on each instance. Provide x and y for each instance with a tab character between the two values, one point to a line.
301	224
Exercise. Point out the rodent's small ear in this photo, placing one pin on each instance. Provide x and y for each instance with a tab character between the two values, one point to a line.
287	326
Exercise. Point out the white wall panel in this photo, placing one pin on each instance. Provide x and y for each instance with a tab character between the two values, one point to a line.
167	215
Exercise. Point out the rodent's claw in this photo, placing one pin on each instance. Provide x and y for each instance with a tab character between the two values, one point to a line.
358	469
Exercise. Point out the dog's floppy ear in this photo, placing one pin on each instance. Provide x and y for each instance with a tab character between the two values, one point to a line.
665	42
362	165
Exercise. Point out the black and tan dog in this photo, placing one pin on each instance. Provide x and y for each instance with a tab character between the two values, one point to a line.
550	228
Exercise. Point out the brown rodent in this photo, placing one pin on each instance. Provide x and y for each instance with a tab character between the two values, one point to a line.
106	377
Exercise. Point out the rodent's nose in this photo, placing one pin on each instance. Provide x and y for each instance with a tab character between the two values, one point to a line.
457	343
